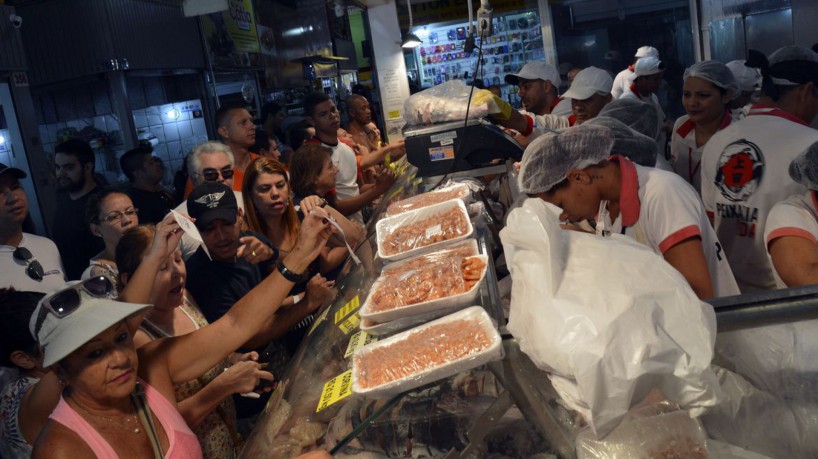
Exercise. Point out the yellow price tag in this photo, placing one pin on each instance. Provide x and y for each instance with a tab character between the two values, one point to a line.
350	324
320	319
351	305
393	114
336	389
357	341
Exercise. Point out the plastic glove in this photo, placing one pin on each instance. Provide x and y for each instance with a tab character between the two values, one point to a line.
497	107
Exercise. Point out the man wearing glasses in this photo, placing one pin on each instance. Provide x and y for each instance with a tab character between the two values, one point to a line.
27	262
208	162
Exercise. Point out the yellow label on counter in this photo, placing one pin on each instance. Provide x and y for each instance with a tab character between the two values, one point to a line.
393	114
350	324
336	389
351	305
318	320
357	341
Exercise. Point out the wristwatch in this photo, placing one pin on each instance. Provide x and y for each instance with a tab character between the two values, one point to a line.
289	274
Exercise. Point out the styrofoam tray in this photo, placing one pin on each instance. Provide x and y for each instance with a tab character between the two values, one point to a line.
460	191
449	303
398	325
387	225
494	351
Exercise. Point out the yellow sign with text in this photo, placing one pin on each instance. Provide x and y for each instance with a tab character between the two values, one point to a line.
352	323
335	390
351	305
357	341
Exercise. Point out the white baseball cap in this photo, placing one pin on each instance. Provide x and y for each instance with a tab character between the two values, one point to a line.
535	71
86	312
646	51
648	66
588	82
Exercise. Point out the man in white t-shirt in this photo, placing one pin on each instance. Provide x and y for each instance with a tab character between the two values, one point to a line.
623	80
320	109
647	77
745	166
27	262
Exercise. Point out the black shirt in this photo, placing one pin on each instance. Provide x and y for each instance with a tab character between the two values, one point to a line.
73	237
152	205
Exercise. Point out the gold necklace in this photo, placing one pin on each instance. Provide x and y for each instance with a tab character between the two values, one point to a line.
131	423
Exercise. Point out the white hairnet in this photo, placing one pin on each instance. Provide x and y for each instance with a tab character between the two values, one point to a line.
629	143
548	158
804	168
638	115
747	78
792	53
715	72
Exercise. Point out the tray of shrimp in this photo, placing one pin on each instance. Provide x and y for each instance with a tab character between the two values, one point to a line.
423	230
439	284
453	191
444	347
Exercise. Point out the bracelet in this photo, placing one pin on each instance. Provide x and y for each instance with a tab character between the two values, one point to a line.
296	298
288	274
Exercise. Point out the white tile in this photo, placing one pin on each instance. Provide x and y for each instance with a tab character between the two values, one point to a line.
183	114
161	151
112	123
175	150
154	110
185	130
171	132
140	121
159	132
199	128
154	119
76	124
188	143
99	123
5	159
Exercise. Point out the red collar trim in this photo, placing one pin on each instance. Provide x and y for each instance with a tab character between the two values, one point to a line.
775	111
629	206
814	195
630	67
688	125
572	120
557	101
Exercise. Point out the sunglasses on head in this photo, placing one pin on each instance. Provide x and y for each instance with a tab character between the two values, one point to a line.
64	302
211	175
33	267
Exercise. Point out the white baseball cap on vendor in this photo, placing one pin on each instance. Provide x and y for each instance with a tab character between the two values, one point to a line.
548	158
535	71
648	66
647	51
589	81
74	314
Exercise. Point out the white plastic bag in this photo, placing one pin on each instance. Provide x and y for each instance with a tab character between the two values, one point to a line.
608	319
442	103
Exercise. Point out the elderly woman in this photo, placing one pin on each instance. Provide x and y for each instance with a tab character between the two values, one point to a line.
106	410
657	208
205	401
709	87
109	214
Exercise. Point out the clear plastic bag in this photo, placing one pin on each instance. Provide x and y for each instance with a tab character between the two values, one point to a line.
413	232
452	191
607	318
439	349
442	103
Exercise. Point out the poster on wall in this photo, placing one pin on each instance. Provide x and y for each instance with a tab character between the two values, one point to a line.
231	36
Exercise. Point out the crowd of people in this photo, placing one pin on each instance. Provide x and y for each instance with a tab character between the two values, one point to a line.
159	344
154	345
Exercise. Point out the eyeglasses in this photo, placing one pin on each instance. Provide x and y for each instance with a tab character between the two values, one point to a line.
211	175
116	216
64	302
33	267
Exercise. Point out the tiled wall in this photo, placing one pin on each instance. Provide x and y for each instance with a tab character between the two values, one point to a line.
5	146
178	127
106	164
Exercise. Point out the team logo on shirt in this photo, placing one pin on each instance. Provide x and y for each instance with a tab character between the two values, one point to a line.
741	167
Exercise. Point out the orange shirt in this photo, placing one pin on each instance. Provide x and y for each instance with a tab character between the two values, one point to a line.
238	178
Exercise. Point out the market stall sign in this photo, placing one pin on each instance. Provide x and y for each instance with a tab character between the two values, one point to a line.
357	341
351	305
335	390
352	323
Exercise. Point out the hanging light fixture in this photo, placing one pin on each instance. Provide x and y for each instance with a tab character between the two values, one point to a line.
410	40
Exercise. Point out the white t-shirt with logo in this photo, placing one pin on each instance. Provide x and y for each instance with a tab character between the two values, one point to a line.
744	174
685	156
660	210
795	216
13	272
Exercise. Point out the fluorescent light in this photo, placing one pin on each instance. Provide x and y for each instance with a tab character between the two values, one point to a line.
410	41
2	140
172	114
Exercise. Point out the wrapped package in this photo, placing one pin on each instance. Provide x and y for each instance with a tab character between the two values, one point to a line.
443	284
607	318
460	341
447	193
422	230
442	103
658	431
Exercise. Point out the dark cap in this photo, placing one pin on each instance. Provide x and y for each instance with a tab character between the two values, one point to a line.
212	201
12	170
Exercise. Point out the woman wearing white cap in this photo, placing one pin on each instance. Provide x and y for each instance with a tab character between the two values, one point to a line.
709	86
573	171
87	338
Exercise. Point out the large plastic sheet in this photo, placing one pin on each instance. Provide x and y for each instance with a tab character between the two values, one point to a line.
607	318
442	103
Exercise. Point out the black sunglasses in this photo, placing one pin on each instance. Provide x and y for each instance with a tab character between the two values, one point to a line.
64	302
211	175
33	267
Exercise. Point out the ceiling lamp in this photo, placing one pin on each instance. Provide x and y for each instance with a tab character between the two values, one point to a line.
410	40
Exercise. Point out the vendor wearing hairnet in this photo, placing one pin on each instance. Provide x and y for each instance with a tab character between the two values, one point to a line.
745	166
647	78
792	226
574	171
641	117
749	80
709	87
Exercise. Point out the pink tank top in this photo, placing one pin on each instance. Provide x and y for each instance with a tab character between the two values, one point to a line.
183	444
